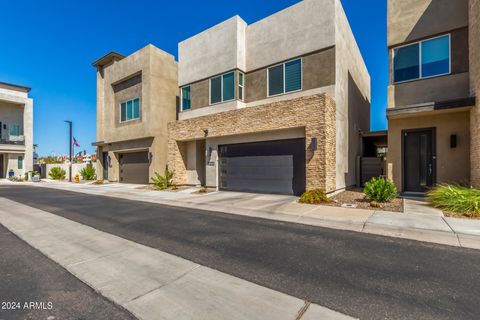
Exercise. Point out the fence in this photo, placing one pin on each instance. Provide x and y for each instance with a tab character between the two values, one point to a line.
76	168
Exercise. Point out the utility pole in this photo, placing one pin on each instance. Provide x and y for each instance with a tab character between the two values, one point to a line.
71	151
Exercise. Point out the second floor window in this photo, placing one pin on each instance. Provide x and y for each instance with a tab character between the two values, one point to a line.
285	78
222	88
186	102
130	110
241	85
424	59
15	130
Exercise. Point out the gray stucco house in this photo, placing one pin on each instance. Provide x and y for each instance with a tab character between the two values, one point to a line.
433	107
277	106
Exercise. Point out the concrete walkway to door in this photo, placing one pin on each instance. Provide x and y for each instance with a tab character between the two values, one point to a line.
418	222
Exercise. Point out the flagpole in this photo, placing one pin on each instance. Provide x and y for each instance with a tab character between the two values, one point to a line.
71	151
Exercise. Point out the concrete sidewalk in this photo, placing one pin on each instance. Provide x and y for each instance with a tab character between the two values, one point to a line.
418	222
150	283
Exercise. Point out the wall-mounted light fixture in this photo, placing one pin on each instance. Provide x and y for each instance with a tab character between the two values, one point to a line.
150	157
205	132
453	141
314	144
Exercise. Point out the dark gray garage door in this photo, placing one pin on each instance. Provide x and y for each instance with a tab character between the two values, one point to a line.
265	167
134	167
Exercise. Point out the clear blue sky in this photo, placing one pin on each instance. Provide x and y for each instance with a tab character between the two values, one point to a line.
50	45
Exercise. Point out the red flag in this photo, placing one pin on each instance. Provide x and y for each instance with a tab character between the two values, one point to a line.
75	142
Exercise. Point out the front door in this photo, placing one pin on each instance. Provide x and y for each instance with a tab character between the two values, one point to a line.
105	165
419	159
2	173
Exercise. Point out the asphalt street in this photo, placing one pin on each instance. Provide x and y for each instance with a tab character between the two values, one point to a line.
362	275
34	287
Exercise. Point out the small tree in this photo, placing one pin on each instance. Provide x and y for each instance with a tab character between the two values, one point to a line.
57	173
163	182
88	173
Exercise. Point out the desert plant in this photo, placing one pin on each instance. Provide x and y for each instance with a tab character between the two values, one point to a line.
163	182
315	196
380	190
88	173
16	179
455	199
57	173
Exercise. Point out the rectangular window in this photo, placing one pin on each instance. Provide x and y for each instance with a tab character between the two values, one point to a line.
20	162
241	87
285	78
186	104
130	110
15	130
293	75
436	57
136	108
275	80
123	112
222	88
216	90
228	86
424	59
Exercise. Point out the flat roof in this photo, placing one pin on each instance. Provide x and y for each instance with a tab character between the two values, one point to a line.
106	59
15	87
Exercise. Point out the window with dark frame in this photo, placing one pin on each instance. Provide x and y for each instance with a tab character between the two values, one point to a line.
222	88
423	59
285	77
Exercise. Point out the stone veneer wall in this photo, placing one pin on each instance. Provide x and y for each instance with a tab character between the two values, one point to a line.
315	113
474	34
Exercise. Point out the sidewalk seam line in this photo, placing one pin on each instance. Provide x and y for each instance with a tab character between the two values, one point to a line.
303	310
456	234
165	284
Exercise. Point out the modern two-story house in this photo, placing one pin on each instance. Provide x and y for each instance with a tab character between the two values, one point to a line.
433	132
277	106
16	130
136	98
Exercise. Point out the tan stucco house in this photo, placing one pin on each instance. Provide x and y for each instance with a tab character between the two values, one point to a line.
16	130
136	98
277	106
433	134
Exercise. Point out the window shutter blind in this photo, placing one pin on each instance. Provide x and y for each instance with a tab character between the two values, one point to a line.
293	75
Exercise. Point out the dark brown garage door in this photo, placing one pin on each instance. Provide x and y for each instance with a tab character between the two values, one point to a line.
134	167
265	167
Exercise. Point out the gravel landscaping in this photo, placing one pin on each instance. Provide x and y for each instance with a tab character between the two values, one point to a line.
356	197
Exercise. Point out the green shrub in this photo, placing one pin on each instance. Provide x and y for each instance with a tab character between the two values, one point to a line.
163	182
315	196
456	199
57	173
380	190
88	173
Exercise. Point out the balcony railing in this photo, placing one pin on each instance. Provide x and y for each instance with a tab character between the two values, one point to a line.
15	140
